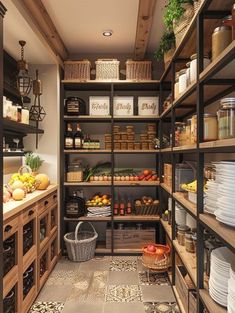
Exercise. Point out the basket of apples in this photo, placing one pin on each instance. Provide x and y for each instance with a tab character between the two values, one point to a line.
156	257
146	206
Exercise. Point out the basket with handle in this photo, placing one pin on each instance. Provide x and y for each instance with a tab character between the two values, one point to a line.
159	260
81	243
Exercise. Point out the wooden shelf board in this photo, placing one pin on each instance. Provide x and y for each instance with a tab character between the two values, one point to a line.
86	151
128	251
142	218
14	153
114	81
90	184
218	144
227	233
180	197
166	188
187	147
189	260
136	117
166	150
136	151
101	248
20	127
168	228
210	304
116	183
178	299
87	117
89	218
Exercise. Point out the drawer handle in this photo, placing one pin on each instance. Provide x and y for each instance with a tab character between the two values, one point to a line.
46	202
30	212
7	228
55	196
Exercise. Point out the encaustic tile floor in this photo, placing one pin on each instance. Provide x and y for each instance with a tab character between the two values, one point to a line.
105	285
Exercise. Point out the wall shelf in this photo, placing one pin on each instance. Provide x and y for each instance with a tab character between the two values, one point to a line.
21	128
167	228
210	304
190	207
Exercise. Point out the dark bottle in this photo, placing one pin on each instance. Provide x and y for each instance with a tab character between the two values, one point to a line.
122	208
116	208
68	137
75	106
78	138
129	207
75	205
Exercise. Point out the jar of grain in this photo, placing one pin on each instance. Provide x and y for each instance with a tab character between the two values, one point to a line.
116	128
75	172
210	127
137	145
226	118
108	137
108	145
144	145
151	135
123	145
131	136
221	38
130	129
151	145
117	136
130	145
181	231
176	86
182	81
117	145
143	137
193	66
189	244
123	136
151	127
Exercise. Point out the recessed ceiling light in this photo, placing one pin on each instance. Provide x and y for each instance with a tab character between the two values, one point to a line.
107	33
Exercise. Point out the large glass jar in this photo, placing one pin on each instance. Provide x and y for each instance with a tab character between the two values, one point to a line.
75	172
210	128
221	38
226	118
176	86
178	133
193	66
182	81
188	131
194	129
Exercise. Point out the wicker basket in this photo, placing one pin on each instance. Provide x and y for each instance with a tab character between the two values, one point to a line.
157	261
107	69
81	245
79	70
147	209
138	70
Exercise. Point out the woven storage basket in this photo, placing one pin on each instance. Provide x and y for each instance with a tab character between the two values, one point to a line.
79	70
138	70
147	209
81	244
181	25
155	262
107	69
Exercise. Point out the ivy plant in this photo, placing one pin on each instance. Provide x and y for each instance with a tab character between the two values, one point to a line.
173	11
166	43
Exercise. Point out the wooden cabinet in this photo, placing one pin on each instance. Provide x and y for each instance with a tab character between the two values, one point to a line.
30	251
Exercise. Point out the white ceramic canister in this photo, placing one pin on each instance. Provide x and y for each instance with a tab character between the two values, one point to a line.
188	73
190	221
193	67
25	116
182	81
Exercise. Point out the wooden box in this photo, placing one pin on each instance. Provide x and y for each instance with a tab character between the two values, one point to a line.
183	284
138	70
192	306
107	69
79	70
123	106
148	106
99	105
130	238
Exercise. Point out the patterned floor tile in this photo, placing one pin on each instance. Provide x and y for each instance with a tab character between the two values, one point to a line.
155	293
74	306
54	294
153	278
123	265
62	277
96	264
123	278
162	307
47	307
123	293
124	307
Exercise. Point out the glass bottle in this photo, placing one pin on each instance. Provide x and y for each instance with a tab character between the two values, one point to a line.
122	208
116	207
75	205
68	137
129	207
78	138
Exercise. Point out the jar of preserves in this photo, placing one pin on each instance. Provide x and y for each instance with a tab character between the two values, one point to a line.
181	232
176	86
226	118
221	38
210	127
193	66
189	244
182	81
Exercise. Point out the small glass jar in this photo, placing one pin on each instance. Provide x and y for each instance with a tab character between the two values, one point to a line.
25	116
226	118
176	86
221	38
181	233
75	172
210	127
189	244
182	81
14	113
193	67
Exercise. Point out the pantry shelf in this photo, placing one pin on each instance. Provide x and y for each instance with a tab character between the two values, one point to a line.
116	183
83	151
21	128
89	219
167	228
14	153
136	151
178	299
138	118
186	148
188	205
224	232
218	145
88	118
137	218
210	304
189	260
166	188
166	150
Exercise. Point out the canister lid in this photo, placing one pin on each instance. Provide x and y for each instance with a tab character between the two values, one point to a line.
222	28
209	115
228	103
183	71
194	56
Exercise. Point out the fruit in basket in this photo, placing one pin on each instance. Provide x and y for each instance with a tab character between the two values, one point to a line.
99	200
43	180
18	194
17	184
151	248
29	181
147	172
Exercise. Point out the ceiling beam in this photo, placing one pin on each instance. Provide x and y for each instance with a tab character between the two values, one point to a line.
143	28
41	23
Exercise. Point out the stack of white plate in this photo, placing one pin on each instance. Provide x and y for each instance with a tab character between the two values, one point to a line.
225	176
231	290
190	221
180	215
211	197
221	260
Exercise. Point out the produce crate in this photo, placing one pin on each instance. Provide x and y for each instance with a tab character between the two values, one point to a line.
192	306
107	69
152	209
138	70
184	285
130	238
79	70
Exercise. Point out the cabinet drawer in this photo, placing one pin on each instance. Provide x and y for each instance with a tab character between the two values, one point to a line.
47	202
29	214
10	226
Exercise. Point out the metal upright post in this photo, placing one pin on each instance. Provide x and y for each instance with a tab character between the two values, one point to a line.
112	169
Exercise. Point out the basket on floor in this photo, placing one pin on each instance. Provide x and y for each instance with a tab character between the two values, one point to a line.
158	260
81	243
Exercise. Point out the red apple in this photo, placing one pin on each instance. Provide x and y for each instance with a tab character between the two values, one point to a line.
151	248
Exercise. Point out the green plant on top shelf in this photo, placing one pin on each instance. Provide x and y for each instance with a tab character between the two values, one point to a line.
173	12
167	43
33	161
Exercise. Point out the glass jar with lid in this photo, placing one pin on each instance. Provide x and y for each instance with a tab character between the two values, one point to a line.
188	131
189	244
226	118
75	172
182	81
188	73
176	86
221	38
193	66
181	232
210	128
178	132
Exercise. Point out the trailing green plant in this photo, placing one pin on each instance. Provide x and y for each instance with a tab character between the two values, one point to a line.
173	12
33	161
91	171
167	42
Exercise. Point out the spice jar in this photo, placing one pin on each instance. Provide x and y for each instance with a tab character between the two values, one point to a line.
176	86
210	127
221	38
193	66
137	146
130	129
116	128
75	172
226	118
182	81
181	232
189	245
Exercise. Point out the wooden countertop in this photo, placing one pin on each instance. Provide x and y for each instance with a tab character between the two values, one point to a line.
13	207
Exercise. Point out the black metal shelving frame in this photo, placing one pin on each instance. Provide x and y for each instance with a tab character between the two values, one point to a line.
205	79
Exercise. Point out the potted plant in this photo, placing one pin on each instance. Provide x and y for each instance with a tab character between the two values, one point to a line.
34	162
178	14
166	48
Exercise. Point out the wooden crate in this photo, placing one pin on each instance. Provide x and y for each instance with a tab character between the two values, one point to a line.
130	238
184	285
79	70
192	306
